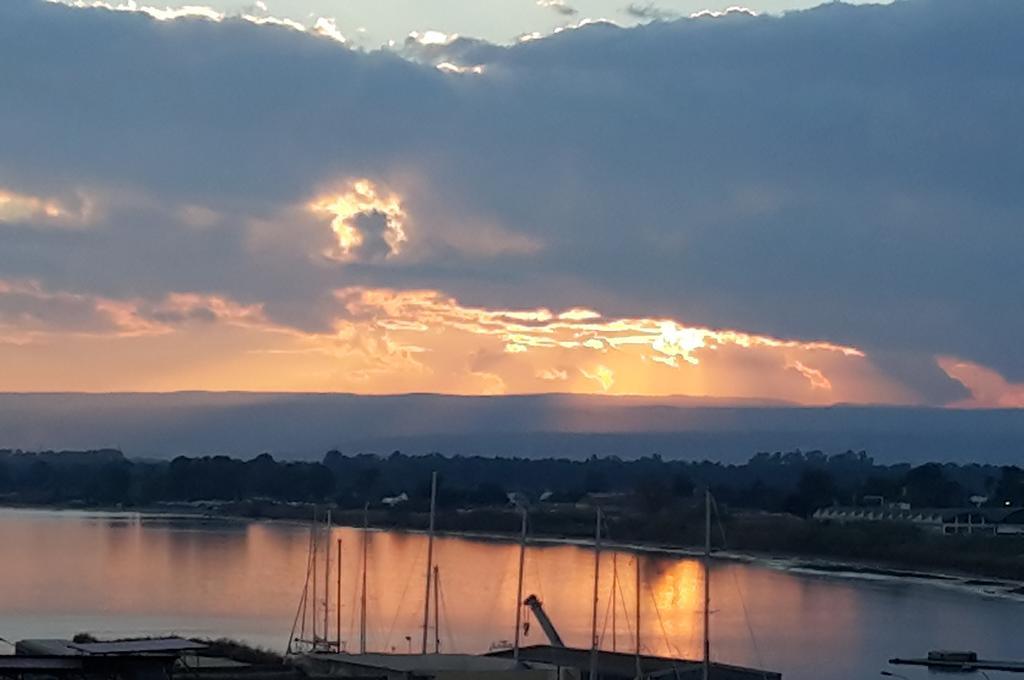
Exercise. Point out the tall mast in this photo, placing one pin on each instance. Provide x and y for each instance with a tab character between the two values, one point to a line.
597	577
615	583
707	582
437	612
337	607
305	591
430	559
316	547
639	671
362	597
300	613
327	576
519	586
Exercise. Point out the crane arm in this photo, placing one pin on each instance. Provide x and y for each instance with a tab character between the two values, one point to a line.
542	618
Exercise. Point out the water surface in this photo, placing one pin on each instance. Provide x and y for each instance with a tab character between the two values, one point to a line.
113	573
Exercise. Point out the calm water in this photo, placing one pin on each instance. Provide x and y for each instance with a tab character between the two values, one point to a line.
63	572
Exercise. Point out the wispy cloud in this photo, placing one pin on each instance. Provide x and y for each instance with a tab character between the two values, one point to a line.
43	211
558	6
650	11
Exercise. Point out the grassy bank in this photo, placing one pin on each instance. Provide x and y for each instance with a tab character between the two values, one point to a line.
898	546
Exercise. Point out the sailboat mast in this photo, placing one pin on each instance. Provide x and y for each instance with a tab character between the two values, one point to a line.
337	606
639	671
437	612
519	586
707	583
327	577
615	584
362	597
430	559
316	548
597	578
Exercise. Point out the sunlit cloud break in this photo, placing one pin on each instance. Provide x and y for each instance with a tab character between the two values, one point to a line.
322	26
449	67
581	350
362	201
383	340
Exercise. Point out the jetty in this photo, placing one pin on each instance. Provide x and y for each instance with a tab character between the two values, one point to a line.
960	662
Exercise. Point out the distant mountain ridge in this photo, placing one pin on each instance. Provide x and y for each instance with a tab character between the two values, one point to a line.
304	426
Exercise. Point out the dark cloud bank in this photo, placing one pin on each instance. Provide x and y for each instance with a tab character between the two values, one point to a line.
844	173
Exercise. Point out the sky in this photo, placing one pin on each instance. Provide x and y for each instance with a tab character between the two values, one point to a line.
778	202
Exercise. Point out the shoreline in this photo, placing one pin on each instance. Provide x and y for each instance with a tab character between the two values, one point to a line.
790	563
798	564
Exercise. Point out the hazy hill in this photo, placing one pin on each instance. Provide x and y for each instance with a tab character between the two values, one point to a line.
307	425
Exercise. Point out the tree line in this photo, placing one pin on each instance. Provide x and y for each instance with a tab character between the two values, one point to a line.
795	482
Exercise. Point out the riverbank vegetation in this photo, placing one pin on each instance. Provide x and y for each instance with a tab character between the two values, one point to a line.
765	504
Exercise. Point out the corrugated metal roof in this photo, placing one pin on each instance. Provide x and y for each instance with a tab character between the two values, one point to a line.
417	663
149	646
46	647
623	665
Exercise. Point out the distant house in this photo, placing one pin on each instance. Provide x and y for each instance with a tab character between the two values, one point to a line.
392	501
948	521
607	500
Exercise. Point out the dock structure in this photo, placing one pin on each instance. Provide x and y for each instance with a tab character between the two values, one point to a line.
571	662
140	659
419	667
962	666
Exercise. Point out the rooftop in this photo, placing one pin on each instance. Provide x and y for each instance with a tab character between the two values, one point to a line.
623	665
415	663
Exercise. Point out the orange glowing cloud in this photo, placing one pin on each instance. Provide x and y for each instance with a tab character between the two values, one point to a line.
361	198
987	387
30	313
580	350
392	341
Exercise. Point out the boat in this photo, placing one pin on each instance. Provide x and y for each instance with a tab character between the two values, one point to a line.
314	649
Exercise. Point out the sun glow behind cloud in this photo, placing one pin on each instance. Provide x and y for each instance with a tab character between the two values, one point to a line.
361	197
388	341
580	350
